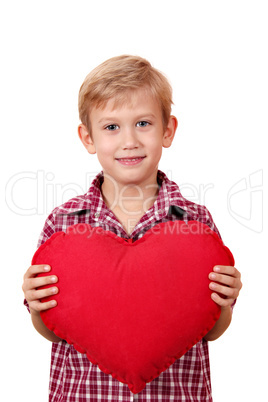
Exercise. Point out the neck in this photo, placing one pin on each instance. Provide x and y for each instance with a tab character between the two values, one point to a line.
130	199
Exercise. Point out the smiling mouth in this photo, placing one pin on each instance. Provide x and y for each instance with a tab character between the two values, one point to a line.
130	161
137	158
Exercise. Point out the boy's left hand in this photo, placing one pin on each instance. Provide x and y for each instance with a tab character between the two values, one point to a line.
226	282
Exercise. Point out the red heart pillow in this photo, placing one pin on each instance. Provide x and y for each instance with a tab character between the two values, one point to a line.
133	308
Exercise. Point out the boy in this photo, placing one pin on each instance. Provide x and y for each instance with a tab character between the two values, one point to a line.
125	112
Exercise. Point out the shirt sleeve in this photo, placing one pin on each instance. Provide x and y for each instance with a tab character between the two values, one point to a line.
48	230
210	222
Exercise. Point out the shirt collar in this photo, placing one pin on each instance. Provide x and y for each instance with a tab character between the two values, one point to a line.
169	195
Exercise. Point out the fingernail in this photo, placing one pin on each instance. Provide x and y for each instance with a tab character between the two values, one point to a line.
212	276
53	303
217	269
53	279
46	268
54	290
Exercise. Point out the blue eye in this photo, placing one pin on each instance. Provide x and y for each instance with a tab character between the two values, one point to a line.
112	127
143	123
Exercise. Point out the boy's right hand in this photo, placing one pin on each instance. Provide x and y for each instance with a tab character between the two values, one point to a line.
31	285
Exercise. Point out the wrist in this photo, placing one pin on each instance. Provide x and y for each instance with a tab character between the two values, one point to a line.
34	313
226	309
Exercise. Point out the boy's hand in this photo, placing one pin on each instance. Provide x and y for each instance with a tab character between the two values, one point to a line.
226	283
31	285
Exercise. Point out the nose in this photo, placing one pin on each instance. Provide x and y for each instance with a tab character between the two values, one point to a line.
129	139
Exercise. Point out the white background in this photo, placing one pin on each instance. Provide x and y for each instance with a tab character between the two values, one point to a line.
215	55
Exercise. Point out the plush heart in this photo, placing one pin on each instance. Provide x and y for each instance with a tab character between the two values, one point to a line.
133	308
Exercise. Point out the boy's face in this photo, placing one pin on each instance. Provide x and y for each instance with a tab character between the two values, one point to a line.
128	139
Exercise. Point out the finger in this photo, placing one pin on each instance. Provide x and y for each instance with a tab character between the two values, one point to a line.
220	301
38	306
224	290
33	270
34	295
34	283
227	270
224	279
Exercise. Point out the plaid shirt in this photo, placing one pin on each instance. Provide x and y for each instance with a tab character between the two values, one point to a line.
73	378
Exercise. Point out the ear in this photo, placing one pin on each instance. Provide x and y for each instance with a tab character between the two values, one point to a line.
170	132
86	138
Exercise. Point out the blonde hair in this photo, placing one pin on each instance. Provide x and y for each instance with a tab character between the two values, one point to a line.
115	78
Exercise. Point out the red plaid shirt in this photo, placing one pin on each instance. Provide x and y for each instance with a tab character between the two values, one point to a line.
73	378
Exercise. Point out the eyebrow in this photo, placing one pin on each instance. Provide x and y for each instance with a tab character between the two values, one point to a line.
106	119
140	117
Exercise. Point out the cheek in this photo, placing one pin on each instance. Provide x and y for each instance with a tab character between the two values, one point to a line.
155	146
105	148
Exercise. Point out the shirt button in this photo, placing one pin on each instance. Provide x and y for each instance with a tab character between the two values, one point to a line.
97	215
